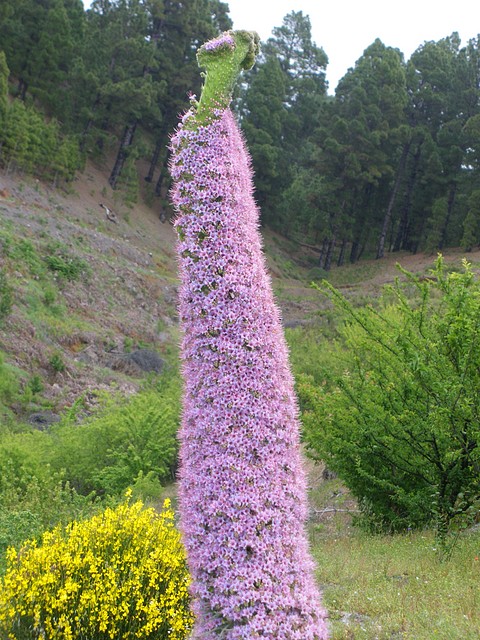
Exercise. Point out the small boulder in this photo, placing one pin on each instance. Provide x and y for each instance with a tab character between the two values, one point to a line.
135	363
146	360
43	419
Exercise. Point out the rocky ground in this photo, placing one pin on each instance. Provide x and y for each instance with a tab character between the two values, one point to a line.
125	300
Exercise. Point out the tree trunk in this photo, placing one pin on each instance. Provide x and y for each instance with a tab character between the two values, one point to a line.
127	140
154	160
354	251
402	232
159	147
323	250
341	256
329	256
391	202
161	178
22	89
451	201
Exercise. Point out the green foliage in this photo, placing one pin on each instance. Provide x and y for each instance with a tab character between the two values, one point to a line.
471	224
15	396
52	476
32	496
24	255
35	383
6	295
16	527
401	423
57	363
4	73
9	389
314	354
125	442
29	143
65	265
387	163
49	296
42	504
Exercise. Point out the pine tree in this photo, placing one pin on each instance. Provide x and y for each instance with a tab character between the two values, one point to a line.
471	224
4	73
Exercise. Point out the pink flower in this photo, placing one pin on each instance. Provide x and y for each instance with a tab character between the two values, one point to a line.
242	487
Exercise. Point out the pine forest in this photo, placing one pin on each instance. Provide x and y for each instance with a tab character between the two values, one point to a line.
389	162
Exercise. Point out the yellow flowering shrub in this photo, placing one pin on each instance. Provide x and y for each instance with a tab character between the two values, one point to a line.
119	575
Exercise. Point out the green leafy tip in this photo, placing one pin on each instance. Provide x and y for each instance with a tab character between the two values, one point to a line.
223	59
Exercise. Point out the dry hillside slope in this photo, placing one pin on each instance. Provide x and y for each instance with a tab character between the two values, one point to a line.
77	334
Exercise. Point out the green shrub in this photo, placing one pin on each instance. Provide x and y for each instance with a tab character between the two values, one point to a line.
9	391
25	255
16	526
120	575
401	424
65	265
30	143
124	441
33	497
57	363
35	384
49	296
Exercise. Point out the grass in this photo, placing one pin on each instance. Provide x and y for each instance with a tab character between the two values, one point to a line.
391	587
358	273
398	587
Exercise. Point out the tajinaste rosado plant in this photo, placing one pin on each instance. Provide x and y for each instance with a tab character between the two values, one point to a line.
242	487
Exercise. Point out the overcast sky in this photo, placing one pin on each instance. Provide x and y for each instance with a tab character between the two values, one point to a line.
344	28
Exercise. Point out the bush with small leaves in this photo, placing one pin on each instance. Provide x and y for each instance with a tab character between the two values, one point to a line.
400	424
66	266
123	442
56	362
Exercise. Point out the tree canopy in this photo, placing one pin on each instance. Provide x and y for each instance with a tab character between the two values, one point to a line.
390	162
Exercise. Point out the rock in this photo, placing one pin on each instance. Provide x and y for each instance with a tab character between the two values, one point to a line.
328	475
293	324
146	360
348	618
137	362
43	419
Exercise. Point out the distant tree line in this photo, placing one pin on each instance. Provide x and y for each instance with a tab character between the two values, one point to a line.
114	76
391	162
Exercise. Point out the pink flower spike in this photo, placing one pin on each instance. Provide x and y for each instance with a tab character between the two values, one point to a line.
242	486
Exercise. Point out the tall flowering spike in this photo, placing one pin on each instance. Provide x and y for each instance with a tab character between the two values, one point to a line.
242	487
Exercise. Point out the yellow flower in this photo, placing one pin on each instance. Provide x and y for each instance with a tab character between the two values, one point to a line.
119	575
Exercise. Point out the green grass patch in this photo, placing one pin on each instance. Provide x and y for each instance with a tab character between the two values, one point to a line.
398	586
360	272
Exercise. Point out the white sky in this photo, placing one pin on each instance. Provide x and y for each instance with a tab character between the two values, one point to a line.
345	28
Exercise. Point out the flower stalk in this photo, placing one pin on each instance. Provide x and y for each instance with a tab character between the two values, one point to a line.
242	486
